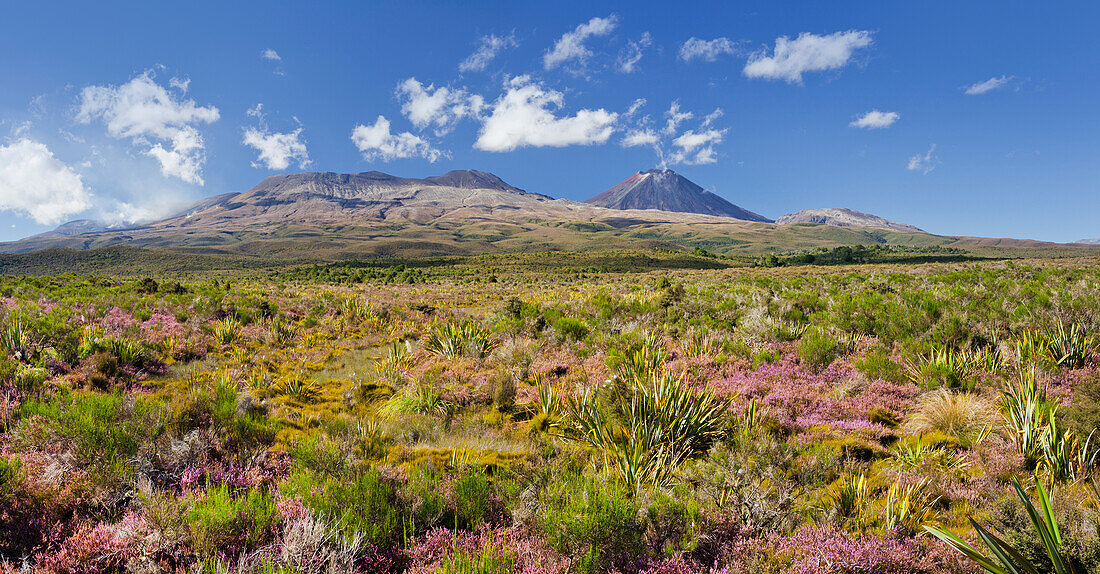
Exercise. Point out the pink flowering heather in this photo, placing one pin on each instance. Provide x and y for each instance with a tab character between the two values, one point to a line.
679	565
117	322
163	325
528	554
90	549
830	550
801	399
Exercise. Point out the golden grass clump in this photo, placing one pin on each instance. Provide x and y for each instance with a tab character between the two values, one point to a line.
961	414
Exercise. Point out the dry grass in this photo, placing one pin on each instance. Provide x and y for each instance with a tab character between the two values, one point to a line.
961	414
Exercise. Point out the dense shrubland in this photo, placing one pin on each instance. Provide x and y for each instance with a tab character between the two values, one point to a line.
873	419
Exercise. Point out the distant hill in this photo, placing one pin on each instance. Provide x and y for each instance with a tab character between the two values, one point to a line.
1094	241
667	190
841	217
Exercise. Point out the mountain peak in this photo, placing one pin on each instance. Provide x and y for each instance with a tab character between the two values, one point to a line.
471	179
667	190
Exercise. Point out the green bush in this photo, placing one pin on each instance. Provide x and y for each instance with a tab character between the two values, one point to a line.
359	502
570	328
103	431
10	472
472	497
674	522
594	521
818	350
876	364
218	522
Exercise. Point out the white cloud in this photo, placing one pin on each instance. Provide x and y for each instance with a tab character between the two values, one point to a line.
181	84
709	119
270	54
377	142
524	116
487	50
35	183
706	50
635	106
439	107
806	53
276	149
673	146
641	137
924	163
155	120
675	118
875	120
632	53
989	85
571	46
695	148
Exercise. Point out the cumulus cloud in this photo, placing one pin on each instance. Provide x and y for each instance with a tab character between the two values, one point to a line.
696	148
378	142
277	150
270	54
994	83
806	53
632	53
875	120
440	107
571	46
924	163
525	116
155	120
487	49
35	183
706	50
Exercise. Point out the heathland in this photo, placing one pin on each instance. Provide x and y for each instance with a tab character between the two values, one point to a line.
831	410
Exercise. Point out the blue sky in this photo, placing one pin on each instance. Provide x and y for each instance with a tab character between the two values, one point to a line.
987	123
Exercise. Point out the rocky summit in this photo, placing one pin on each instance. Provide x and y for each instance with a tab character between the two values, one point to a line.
667	190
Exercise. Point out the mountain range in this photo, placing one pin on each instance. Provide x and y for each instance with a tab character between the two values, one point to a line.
323	216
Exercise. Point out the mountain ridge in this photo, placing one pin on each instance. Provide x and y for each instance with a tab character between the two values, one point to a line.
843	217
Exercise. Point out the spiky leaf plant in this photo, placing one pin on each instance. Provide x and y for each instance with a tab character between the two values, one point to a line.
652	425
1003	558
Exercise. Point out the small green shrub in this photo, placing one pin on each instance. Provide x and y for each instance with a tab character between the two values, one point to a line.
592	520
10	472
818	350
359	502
472	492
570	328
877	365
219	521
103	431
